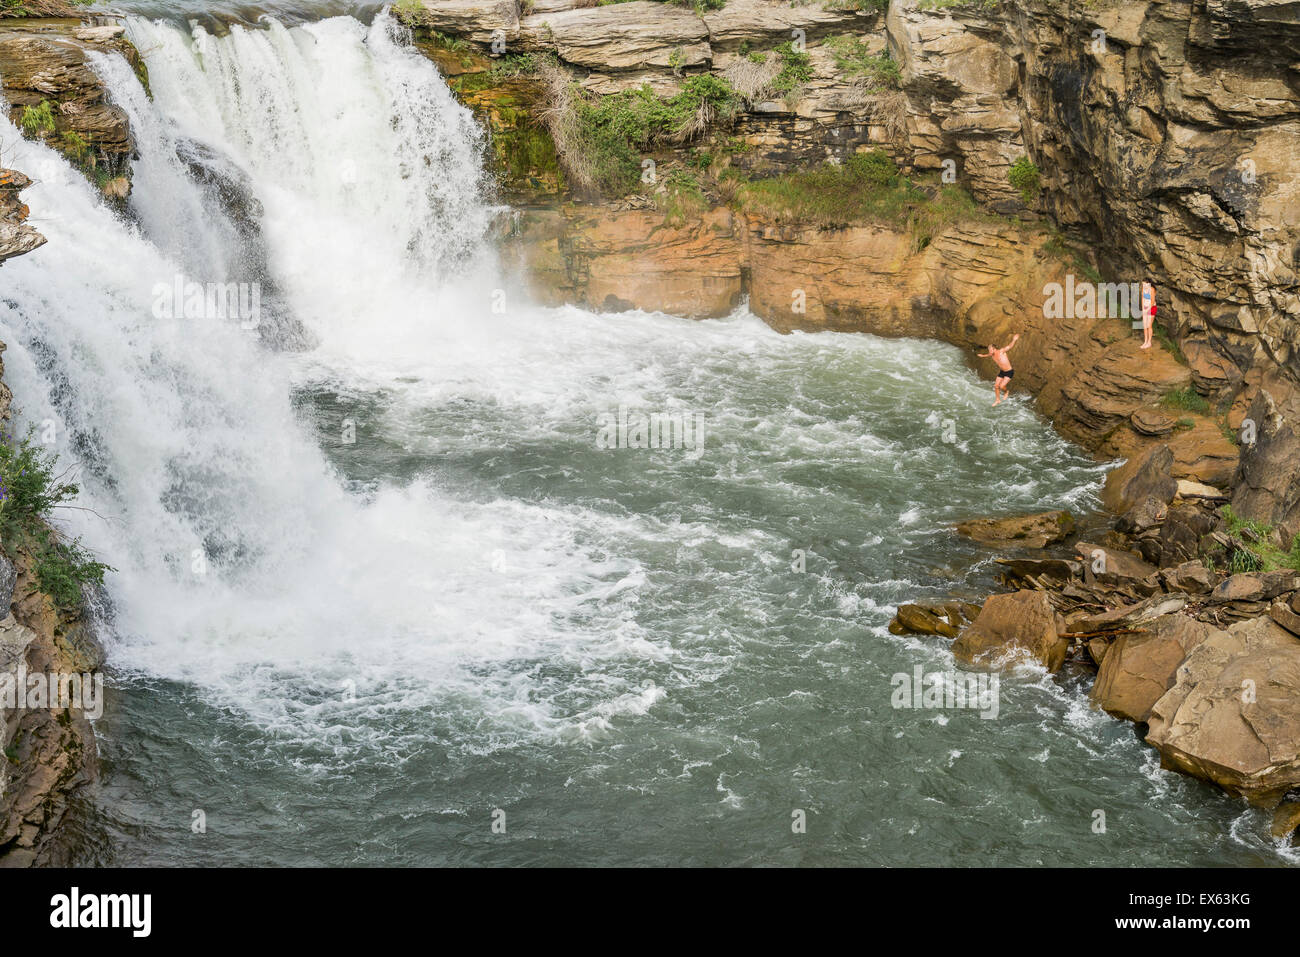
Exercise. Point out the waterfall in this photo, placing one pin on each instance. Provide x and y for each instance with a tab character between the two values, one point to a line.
329	164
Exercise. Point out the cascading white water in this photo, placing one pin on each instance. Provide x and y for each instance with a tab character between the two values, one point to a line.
470	605
242	563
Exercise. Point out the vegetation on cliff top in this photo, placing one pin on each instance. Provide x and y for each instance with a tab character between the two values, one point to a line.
602	140
41	8
868	188
29	492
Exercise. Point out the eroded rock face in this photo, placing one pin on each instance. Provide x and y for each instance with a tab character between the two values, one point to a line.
45	67
16	237
1019	626
1267	487
1230	716
1137	670
1142	479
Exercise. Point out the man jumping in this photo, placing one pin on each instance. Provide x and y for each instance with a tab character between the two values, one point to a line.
1002	384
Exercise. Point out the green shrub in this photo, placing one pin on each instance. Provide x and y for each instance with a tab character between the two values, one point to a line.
853	58
1187	399
1026	178
683	197
613	132
76	145
29	492
38	119
1257	551
796	70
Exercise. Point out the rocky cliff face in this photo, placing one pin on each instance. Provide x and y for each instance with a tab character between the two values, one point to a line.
1164	136
47	754
16	237
54	96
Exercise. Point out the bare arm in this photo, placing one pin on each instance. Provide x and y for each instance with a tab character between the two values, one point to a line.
1014	340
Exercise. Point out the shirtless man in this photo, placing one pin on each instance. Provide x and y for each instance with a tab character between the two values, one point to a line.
1002	384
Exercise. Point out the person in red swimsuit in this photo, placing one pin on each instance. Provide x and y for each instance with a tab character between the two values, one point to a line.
1148	296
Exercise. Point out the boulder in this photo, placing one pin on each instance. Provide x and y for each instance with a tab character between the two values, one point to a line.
1179	538
1146	476
1112	564
1144	517
1255	586
1014	627
1230	716
1138	669
1024	531
1196	490
1190	577
1285	821
922	620
1152	422
1285	617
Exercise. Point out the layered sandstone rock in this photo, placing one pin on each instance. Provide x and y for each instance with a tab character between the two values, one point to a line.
1230	715
1011	628
44	66
1021	531
16	237
1138	669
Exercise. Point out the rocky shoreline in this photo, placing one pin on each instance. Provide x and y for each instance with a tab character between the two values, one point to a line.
1163	138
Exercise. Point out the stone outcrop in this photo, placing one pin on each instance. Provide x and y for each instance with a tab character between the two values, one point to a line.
1267	483
1230	716
47	755
1139	668
55	96
16	237
1020	626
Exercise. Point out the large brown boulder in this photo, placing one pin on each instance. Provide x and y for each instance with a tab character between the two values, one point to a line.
922	620
1015	627
1255	586
1113	565
1145	477
1021	531
1230	716
1137	670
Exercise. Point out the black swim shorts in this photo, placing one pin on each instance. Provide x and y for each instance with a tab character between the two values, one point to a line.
1007	374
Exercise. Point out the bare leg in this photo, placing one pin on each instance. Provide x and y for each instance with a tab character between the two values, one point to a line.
997	390
1146	333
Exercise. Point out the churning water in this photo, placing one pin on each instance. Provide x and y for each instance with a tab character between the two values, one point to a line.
376	581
